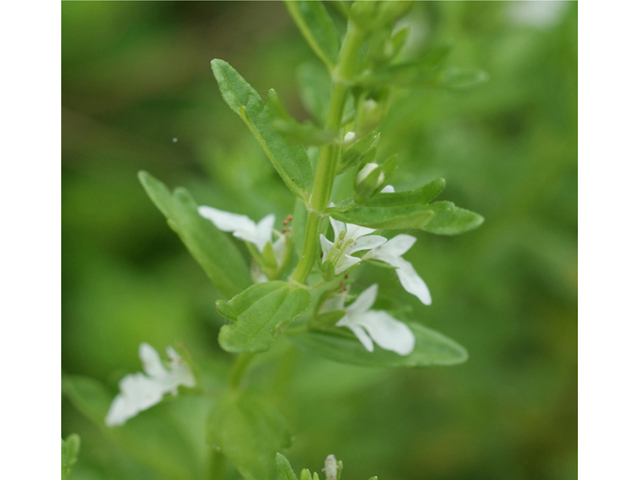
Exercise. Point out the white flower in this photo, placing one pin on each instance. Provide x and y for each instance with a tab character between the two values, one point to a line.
348	239
242	226
391	252
139	392
246	229
351	238
374	325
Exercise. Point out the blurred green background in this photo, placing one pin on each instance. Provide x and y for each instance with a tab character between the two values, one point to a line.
138	93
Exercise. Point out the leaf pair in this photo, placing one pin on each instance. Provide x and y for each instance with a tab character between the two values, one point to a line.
260	313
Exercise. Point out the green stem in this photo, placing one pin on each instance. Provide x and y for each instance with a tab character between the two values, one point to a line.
239	369
328	155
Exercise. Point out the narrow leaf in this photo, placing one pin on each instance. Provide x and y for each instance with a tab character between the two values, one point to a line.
452	220
356	152
289	160
285	472
317	28
212	249
249	433
432	348
259	314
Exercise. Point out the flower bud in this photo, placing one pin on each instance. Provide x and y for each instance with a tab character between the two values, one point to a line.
331	467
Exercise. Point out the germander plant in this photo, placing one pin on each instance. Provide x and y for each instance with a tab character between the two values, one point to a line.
300	284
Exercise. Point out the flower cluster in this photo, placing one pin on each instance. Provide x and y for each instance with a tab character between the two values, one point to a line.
140	391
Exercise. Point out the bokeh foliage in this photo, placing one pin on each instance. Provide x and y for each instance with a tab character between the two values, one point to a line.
136	76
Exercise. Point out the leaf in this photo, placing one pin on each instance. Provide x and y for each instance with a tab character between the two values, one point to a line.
289	160
452	220
419	196
152	437
432	348
412	73
394	217
212	249
285	472
70	450
314	84
306	134
259	314
249	433
317	28
356	152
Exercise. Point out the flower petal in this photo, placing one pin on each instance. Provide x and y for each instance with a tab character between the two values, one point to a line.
356	231
345	262
226	221
367	242
359	332
398	245
326	246
263	231
388	189
388	333
364	301
411	281
338	227
151	363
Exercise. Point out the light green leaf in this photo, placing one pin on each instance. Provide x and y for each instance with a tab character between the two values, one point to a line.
401	217
289	160
152	437
212	249
452	220
249	433
70	450
285	472
299	225
456	78
260	313
432	348
317	28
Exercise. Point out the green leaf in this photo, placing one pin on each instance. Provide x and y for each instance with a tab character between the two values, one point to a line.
419	196
317	28
356	152
413	73
432	348
212	249
249	433
452	220
289	160
260	313
70	450
153	437
314	84
306	134
455	78
285	472
394	217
